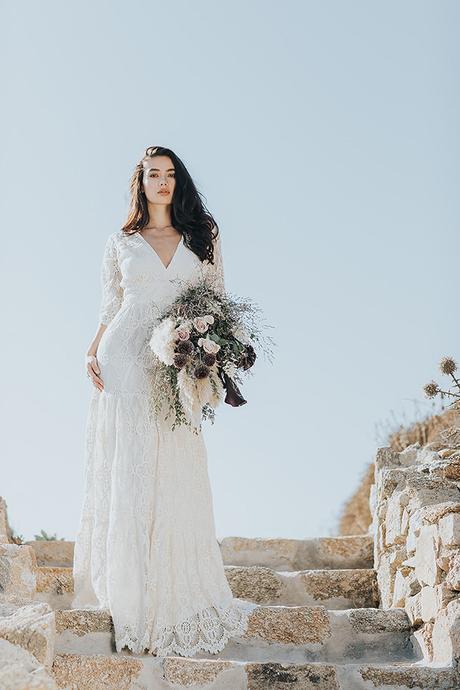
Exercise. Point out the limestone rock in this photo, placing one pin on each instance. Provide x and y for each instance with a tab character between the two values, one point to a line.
453	575
260	585
426	567
31	627
295	625
79	671
20	670
446	634
17	572
393	521
434	513
53	553
449	529
5	531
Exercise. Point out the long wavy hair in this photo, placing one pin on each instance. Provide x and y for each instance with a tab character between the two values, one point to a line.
189	214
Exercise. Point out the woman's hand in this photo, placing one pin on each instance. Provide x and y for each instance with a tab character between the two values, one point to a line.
93	371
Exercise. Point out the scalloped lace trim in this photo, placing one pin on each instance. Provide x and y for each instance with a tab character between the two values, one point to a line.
209	630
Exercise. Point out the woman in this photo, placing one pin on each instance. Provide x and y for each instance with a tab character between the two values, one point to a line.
146	549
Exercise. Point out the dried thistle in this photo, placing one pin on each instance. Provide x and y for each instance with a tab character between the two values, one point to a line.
201	371
431	389
209	359
185	346
447	365
180	359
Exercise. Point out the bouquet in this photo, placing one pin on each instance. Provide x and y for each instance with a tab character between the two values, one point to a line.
202	344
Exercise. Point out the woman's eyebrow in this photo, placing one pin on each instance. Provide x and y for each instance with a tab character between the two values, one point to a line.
158	169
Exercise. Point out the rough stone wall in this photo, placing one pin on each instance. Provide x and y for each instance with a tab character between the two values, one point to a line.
355	517
415	503
27	627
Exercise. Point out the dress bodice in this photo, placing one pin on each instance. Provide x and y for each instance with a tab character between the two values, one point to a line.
132	271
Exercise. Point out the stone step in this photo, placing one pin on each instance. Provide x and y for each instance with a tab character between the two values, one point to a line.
321	553
130	672
53	552
275	633
334	589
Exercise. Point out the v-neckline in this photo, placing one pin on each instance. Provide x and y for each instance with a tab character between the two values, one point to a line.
156	253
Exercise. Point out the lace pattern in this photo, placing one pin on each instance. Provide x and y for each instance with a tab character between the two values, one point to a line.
208	630
110	279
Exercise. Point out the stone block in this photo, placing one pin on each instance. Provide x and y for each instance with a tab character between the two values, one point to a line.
446	634
434	513
405	586
20	670
413	608
453	574
386	457
408	456
393	520
426	552
31	627
4	526
18	578
449	529
429	603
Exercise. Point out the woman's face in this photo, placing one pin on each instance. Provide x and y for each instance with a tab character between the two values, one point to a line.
159	179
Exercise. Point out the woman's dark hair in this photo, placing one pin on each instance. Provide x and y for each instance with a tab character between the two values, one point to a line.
188	212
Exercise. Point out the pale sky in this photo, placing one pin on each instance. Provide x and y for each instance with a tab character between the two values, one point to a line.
324	137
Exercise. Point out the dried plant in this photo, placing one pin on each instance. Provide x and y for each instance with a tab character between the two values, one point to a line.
43	536
16	538
403	428
447	366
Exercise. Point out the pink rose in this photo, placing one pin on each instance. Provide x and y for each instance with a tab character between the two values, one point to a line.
200	324
183	332
209	345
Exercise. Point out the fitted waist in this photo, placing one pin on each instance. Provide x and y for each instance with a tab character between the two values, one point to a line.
149	300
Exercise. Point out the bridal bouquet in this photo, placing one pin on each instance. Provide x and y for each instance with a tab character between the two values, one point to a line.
202	344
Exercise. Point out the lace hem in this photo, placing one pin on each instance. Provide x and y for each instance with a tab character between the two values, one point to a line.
209	630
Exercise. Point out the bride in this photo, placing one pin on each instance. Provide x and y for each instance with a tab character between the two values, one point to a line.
146	548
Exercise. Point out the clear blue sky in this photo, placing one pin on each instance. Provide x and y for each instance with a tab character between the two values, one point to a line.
324	136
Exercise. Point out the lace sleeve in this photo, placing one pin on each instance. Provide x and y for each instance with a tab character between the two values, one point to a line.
110	278
216	270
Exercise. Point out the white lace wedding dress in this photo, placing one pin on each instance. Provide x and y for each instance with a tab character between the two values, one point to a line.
146	547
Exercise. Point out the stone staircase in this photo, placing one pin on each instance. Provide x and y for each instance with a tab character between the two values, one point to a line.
315	625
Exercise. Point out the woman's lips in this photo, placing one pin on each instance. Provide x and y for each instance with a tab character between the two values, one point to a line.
164	193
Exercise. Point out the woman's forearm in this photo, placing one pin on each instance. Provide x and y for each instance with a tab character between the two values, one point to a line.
95	343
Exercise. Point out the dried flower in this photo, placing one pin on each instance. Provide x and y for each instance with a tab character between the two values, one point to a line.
209	359
201	371
162	341
247	358
431	389
185	346
180	360
447	365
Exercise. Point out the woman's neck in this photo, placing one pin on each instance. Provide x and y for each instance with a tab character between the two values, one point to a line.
159	216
